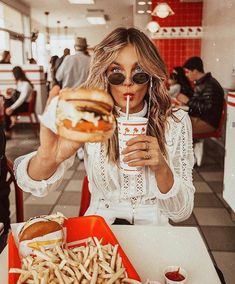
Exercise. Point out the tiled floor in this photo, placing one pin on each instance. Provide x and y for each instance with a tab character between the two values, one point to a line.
211	213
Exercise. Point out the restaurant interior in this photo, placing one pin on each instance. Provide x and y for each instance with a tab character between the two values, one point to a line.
205	28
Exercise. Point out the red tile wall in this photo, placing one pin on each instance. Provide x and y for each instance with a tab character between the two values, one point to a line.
176	51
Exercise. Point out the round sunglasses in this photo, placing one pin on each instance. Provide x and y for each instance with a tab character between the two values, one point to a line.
138	78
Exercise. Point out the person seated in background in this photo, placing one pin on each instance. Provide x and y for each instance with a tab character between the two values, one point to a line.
206	103
174	86
185	85
32	61
125	63
19	98
6	57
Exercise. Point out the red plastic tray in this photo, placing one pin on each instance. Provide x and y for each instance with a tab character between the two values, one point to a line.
78	228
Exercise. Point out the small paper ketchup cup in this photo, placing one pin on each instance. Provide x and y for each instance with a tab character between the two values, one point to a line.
175	275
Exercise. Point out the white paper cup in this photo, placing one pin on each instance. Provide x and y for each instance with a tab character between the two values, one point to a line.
175	268
128	129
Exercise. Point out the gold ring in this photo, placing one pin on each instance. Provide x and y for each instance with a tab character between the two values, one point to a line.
147	157
146	146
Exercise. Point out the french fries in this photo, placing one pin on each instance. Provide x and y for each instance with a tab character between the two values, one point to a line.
92	263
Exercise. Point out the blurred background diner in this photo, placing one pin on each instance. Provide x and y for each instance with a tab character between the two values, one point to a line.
41	38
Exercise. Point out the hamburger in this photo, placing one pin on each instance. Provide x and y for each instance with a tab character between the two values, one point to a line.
42	231
85	115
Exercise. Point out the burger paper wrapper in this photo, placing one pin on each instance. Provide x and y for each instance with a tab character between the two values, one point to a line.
24	246
47	241
48	118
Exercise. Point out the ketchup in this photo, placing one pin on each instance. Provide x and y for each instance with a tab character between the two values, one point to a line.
175	276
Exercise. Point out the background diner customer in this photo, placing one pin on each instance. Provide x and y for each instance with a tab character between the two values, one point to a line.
125	63
179	83
61	59
32	60
73	71
51	79
6	57
206	103
19	98
174	86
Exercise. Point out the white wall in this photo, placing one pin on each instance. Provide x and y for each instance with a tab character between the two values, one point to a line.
18	5
218	43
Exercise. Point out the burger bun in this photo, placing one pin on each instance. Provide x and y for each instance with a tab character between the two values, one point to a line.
85	115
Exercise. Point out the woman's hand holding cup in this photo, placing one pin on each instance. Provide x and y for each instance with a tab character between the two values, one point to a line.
143	151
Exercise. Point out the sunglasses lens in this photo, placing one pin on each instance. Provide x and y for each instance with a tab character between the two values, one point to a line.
116	78
140	78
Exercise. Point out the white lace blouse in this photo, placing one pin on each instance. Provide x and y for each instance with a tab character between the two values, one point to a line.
135	198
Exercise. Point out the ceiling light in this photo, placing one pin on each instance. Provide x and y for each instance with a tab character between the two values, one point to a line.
140	11
150	2
162	10
153	26
141	3
96	18
82	1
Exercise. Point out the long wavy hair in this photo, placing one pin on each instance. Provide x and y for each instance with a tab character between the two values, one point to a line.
20	75
149	60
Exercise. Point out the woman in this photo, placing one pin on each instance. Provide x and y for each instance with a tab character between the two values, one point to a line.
126	62
174	86
19	98
51	71
178	75
32	60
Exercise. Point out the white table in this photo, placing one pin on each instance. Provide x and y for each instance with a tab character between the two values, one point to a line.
151	249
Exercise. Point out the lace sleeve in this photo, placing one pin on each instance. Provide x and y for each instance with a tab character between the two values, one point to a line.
177	204
43	187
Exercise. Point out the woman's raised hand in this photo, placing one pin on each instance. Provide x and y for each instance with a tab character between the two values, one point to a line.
53	150
56	147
